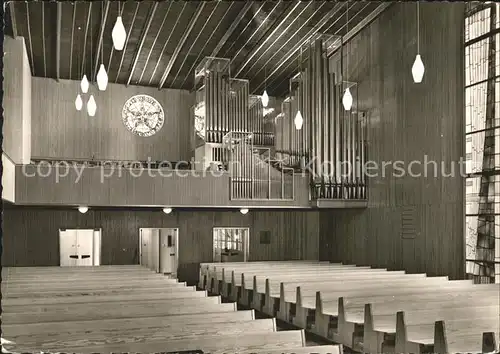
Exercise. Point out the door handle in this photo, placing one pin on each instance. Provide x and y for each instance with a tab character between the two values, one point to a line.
85	256
73	256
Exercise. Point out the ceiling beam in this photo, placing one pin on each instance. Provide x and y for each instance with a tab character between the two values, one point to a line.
29	38
234	24
289	35
181	43
58	40
143	38
292	52
196	40
363	23
254	33
43	40
82	54
126	40
101	32
254	51
166	42
72	38
214	52
13	22
154	41
244	29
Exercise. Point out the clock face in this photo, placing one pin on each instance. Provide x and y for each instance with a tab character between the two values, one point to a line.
143	115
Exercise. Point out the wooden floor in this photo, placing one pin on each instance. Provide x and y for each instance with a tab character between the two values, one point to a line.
365	309
131	309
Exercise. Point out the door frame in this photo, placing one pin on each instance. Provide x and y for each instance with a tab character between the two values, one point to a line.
246	240
96	249
176	266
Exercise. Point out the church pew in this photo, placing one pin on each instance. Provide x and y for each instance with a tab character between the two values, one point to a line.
290	312
74	279
261	294
135	309
205	267
241	344
242	282
112	326
327	305
226	276
17	305
318	349
465	336
61	285
69	294
170	332
414	330
351	309
218	275
272	292
63	290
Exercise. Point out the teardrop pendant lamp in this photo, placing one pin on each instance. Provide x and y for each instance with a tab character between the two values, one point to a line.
418	69
347	98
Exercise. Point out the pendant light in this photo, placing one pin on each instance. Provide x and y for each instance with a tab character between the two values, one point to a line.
299	120
347	98
84	85
91	105
265	98
102	76
244	211
119	35
418	69
78	103
83	209
167	210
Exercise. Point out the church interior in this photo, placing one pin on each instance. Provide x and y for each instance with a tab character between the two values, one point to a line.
250	177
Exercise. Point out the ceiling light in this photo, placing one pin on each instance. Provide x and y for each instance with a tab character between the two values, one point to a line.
167	210
347	99
91	106
78	103
102	78
265	99
84	85
244	211
298	120
417	70
119	34
83	209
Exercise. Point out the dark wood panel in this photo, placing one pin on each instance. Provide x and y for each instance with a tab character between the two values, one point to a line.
30	234
105	187
60	131
408	122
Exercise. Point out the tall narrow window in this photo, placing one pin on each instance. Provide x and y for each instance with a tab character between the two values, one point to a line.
482	141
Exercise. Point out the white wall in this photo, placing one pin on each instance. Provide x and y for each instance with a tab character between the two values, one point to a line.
8	179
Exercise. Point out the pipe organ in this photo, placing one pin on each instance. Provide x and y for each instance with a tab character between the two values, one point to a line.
332	141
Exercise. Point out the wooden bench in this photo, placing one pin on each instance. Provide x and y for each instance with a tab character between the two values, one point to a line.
466	336
351	309
205	268
414	330
112	325
266	288
170	332
218	276
15	305
133	309
251	343
289	310
288	290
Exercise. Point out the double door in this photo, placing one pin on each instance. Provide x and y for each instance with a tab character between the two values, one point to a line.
79	247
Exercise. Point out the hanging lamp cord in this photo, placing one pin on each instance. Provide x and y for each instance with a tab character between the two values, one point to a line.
418	27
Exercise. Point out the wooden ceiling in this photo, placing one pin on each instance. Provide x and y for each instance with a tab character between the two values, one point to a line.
167	39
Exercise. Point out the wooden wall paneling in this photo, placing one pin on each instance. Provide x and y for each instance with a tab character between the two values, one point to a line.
408	122
60	131
31	234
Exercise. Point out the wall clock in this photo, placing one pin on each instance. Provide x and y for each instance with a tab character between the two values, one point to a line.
143	115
